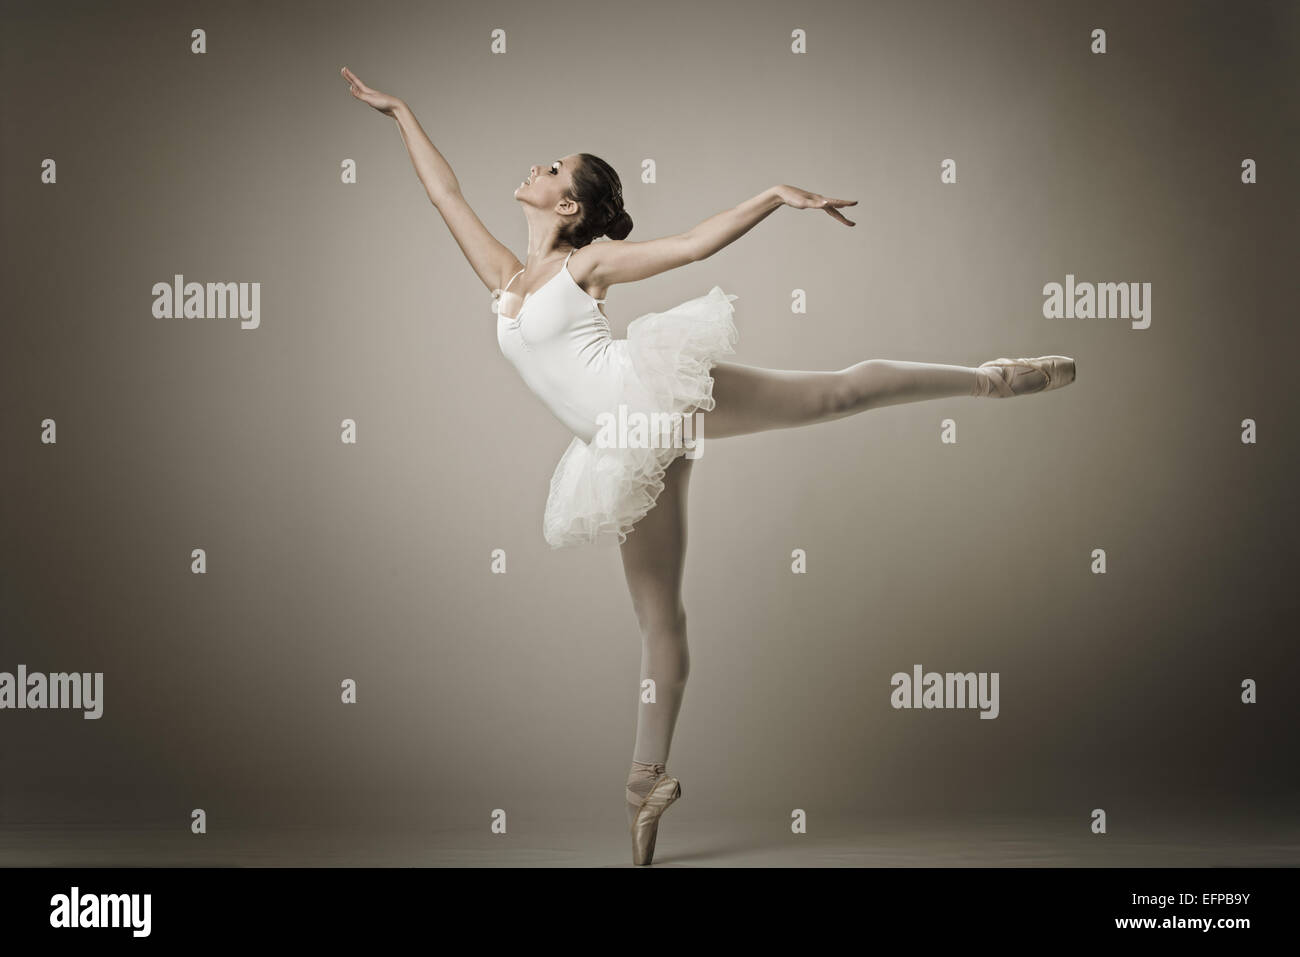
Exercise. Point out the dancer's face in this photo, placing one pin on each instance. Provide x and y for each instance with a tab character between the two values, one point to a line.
548	184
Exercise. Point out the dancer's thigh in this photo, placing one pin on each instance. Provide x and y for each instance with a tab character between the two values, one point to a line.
751	399
654	552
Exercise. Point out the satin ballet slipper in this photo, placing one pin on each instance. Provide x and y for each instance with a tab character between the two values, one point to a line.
1003	378
645	824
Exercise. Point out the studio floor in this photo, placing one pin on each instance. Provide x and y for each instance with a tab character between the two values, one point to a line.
1240	841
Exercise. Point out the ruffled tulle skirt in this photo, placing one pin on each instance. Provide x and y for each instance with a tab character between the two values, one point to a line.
602	488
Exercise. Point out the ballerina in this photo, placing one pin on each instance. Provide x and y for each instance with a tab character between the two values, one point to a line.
632	491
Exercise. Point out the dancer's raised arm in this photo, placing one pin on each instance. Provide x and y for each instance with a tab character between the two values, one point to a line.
489	257
624	261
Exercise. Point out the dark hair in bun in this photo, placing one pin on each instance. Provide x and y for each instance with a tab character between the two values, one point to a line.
599	192
619	226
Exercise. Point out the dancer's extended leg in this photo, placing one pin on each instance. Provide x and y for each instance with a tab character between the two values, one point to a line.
653	558
750	399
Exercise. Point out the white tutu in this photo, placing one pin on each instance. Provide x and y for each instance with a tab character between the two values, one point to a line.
599	491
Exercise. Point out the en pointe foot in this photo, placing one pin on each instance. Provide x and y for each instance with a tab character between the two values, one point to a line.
649	793
1003	378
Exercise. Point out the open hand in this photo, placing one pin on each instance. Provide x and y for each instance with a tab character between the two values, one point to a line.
802	199
381	101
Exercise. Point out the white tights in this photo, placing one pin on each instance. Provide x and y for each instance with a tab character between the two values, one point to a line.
748	400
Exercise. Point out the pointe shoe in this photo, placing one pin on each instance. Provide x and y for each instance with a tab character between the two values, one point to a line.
1003	378
645	822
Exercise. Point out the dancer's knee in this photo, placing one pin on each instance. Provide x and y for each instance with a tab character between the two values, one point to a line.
659	617
851	389
665	640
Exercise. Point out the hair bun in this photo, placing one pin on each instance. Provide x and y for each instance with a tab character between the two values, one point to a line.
619	226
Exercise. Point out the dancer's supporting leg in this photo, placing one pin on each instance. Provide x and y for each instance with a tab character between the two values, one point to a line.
750	399
653	557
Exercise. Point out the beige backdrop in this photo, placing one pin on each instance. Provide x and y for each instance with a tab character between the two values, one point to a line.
371	562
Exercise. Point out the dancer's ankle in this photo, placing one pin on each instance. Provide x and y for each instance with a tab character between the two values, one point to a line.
641	778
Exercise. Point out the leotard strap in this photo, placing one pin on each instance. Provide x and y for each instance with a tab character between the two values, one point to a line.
562	269
512	279
575	282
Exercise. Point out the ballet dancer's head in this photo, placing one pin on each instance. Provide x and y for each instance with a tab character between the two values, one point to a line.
580	196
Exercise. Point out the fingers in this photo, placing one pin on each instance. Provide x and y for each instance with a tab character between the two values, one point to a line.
355	80
830	205
358	89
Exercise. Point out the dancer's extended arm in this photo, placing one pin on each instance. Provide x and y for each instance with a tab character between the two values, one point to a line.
624	261
489	257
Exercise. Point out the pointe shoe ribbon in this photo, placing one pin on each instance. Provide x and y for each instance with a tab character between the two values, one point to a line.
650	772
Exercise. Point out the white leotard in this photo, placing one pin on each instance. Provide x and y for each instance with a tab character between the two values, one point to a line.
560	342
